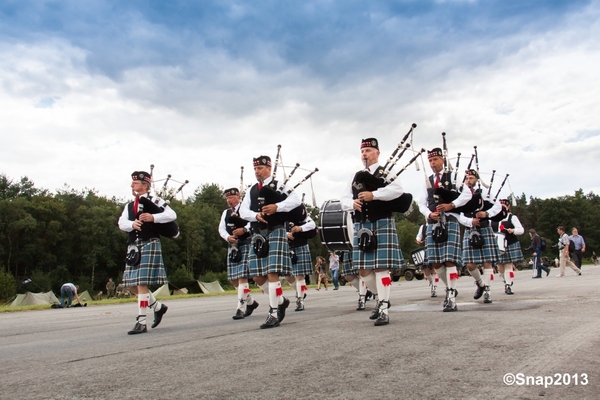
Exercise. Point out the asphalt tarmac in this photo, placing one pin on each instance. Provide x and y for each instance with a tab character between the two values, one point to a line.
545	334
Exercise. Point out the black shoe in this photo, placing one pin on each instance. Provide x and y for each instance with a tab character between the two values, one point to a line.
487	298
335	288
383	319
158	315
433	291
548	272
536	277
507	289
361	303
271	321
450	302
368	295
281	309
250	308
138	328
239	314
375	313
299	305
479	291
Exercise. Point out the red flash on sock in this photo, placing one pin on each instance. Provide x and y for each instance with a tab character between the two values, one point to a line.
386	281
279	291
246	290
303	288
143	303
511	274
454	276
436	280
491	277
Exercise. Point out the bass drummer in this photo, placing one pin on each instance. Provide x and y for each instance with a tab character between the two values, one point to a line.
372	226
445	254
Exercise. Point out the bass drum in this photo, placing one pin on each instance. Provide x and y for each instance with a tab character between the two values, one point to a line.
336	227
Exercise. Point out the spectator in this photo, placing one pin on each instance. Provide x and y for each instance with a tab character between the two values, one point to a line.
110	288
577	252
321	270
594	258
69	290
563	248
334	268
536	246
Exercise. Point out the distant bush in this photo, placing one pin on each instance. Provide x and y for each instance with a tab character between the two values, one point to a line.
8	287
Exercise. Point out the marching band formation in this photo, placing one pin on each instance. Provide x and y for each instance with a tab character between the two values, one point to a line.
267	233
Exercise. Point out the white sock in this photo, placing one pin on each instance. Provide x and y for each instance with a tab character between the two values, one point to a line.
275	294
384	285
155	304
488	276
143	300
370	282
508	276
301	288
477	276
452	275
355	282
265	287
362	286
243	295
430	278
441	273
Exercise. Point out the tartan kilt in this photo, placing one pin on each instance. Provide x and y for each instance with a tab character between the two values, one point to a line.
239	269
514	254
278	260
304	264
347	267
150	270
448	251
387	254
488	253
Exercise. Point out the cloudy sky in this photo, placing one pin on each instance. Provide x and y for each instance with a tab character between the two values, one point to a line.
92	90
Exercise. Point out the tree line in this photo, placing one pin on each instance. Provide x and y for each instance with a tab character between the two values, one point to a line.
72	235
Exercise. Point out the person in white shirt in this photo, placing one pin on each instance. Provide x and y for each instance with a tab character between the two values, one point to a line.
143	236
268	227
374	225
509	228
443	255
236	232
564	251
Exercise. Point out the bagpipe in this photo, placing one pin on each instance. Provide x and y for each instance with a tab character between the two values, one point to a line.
156	206
477	201
233	222
274	193
364	181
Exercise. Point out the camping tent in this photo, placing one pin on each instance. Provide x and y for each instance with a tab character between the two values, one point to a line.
85	296
34	298
162	291
210	287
